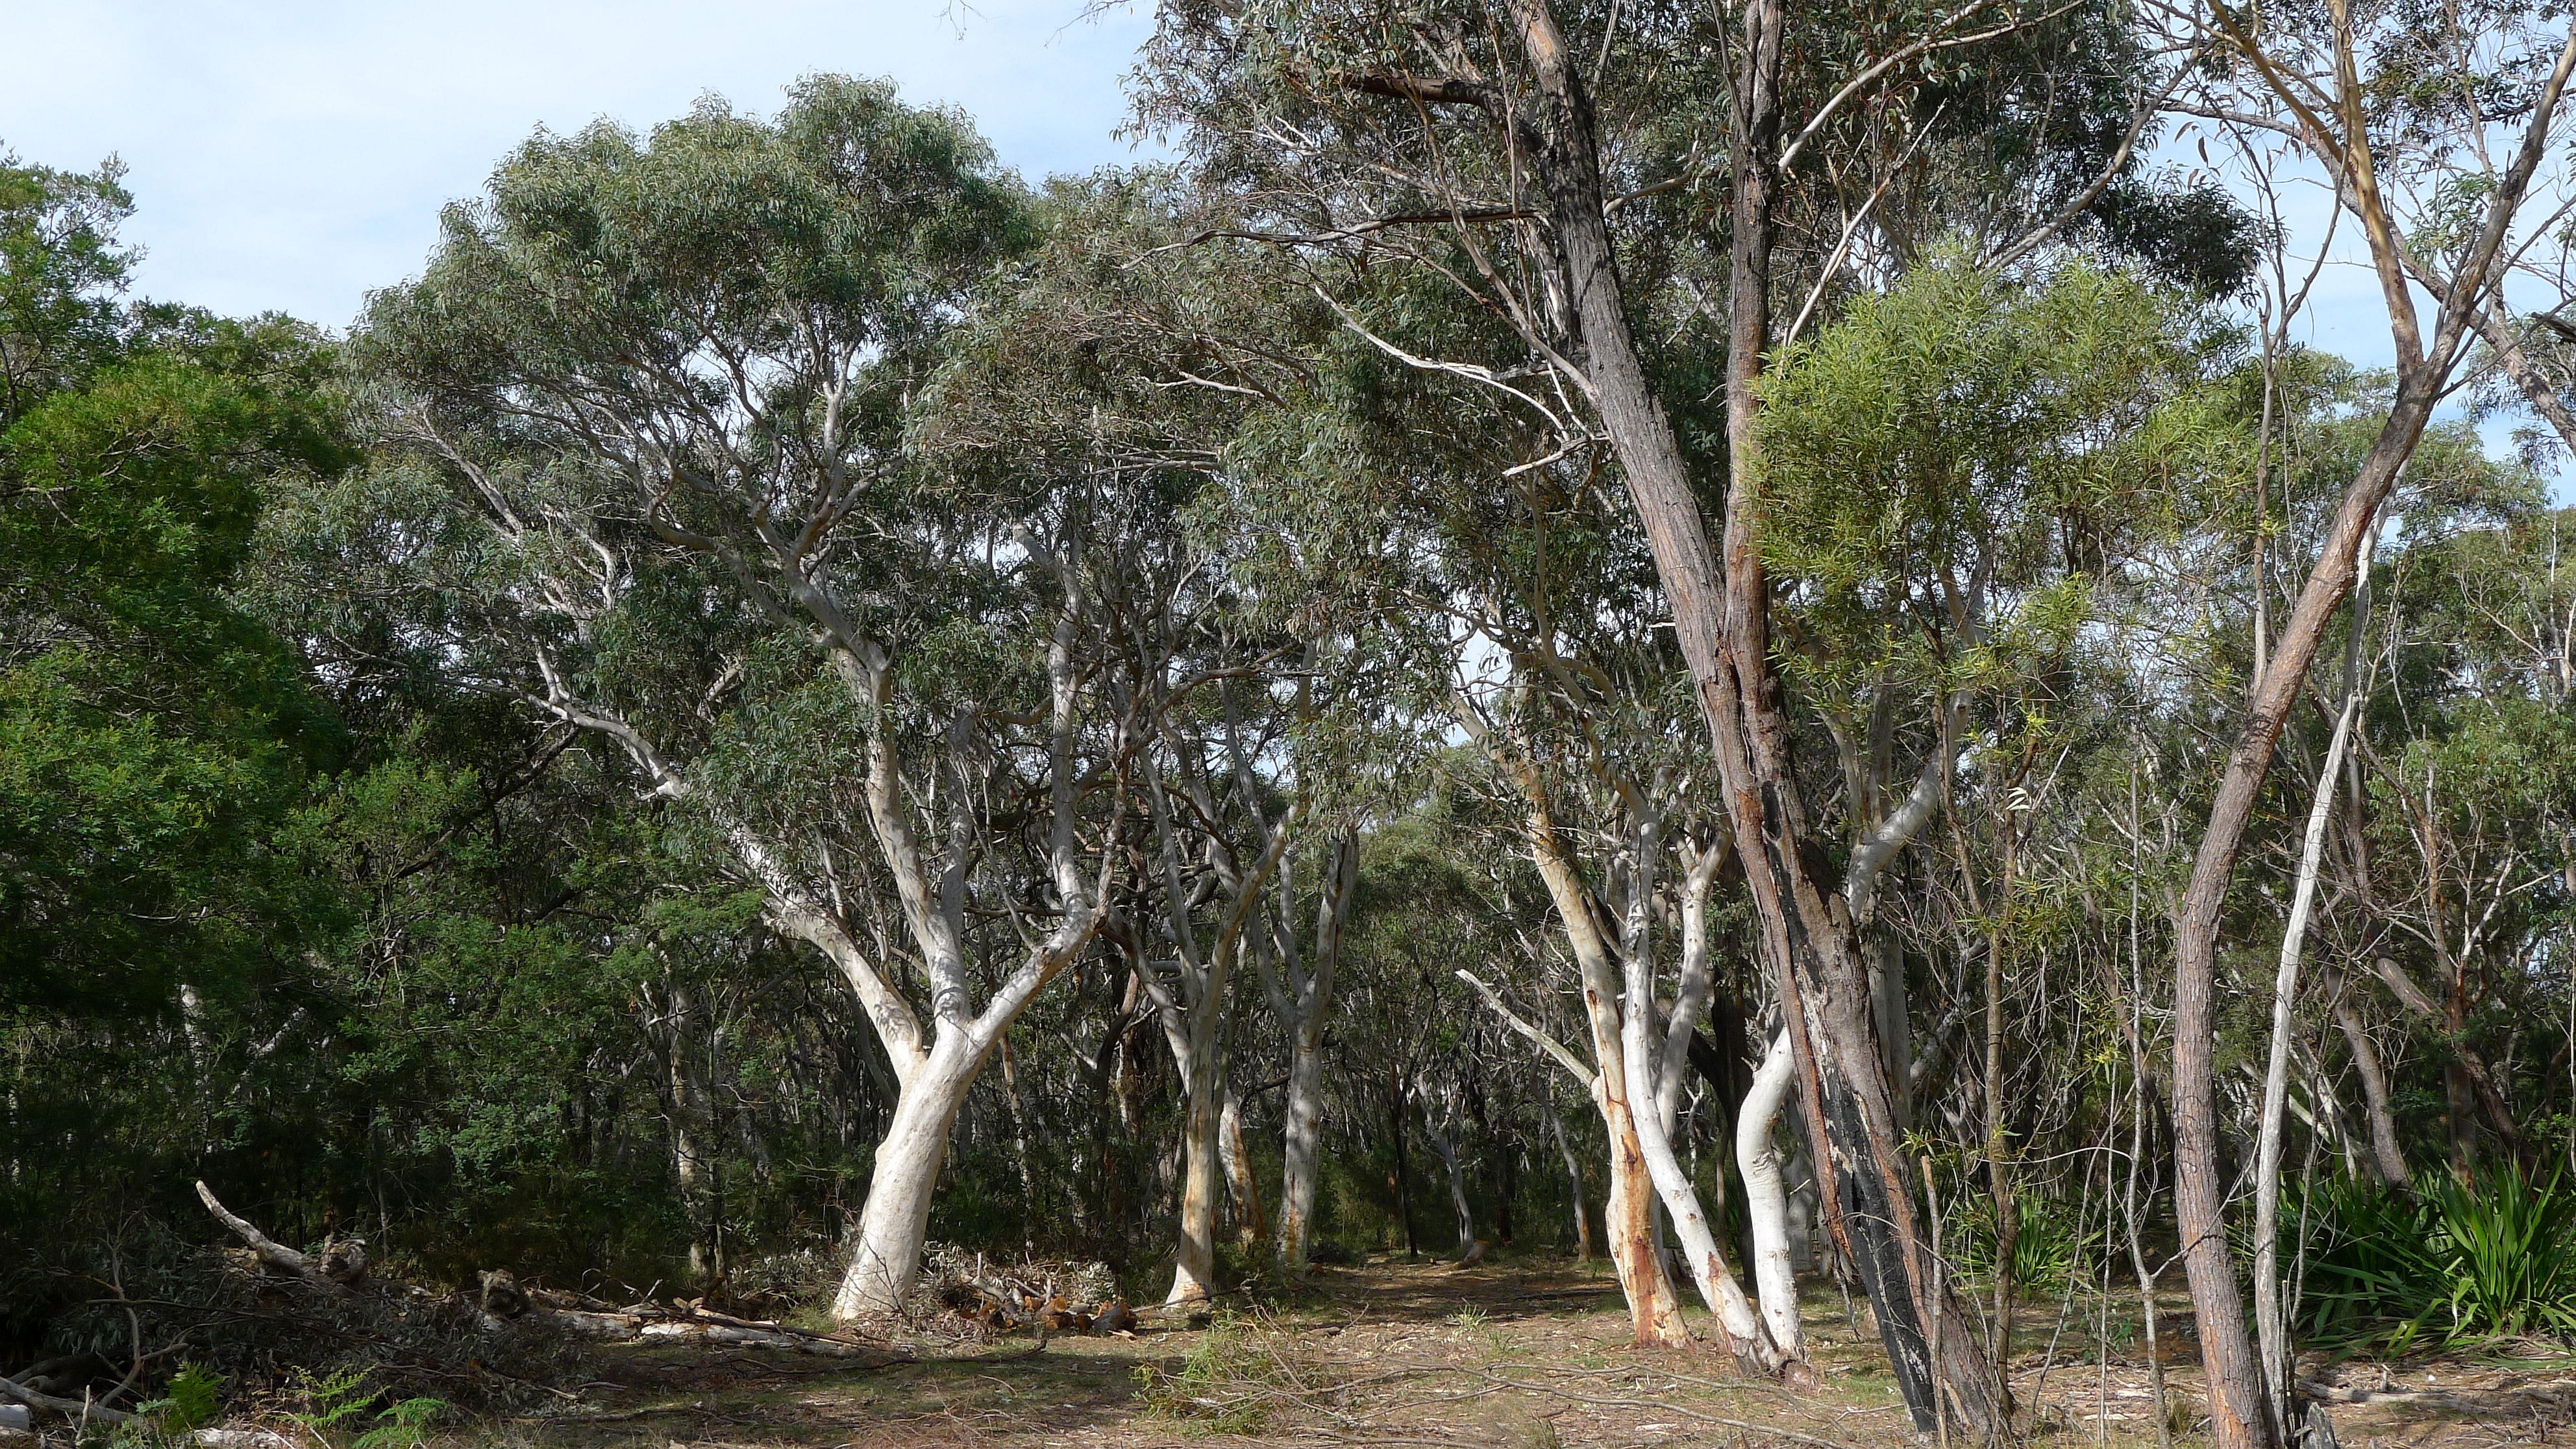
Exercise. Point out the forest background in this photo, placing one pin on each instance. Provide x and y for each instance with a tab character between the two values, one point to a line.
1603	629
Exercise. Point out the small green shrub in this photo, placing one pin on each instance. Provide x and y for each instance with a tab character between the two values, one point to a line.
2050	1241
1237	1377
338	1402
190	1401
403	1426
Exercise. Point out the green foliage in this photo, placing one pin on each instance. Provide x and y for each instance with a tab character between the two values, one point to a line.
331	1400
191	1400
1950	468
338	1402
2052	1241
2462	1261
402	1425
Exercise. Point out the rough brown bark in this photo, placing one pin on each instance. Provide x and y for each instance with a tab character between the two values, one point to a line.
1722	625
2239	1410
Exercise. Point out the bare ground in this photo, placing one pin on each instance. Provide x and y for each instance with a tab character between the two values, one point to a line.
1518	1355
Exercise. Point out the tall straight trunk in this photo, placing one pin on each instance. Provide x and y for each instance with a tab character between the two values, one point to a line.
1402	1178
1722	627
1302	1141
1303	1002
691	1160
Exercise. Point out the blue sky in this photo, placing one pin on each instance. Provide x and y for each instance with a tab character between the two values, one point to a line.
291	155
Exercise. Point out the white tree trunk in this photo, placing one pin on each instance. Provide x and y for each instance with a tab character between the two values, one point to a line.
886	1257
2271	1328
1766	1199
1717	1286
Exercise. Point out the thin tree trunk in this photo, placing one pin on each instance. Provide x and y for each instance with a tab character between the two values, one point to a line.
2242	1415
693	1164
2272	1330
2271	1325
1573	1183
2384	1148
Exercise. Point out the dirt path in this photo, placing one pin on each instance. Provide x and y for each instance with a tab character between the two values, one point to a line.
1520	1355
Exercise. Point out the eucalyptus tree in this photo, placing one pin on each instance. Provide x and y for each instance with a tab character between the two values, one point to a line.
1183	375
1563	173
2433	131
668	375
1966	478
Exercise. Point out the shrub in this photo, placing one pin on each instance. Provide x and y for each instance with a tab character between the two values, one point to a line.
2493	1256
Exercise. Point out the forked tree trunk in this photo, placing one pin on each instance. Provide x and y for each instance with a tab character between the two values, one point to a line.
885	1256
1193	1023
1439	1120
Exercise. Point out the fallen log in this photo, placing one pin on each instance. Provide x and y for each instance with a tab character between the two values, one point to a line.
341	1263
69	1408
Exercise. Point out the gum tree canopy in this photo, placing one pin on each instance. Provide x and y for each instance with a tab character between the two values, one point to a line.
670	374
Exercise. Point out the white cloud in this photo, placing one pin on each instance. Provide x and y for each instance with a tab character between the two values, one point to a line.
291	156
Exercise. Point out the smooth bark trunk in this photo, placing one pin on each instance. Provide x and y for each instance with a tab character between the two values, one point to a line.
2241	1404
885	1256
2385	1151
1303	1002
1766	1198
